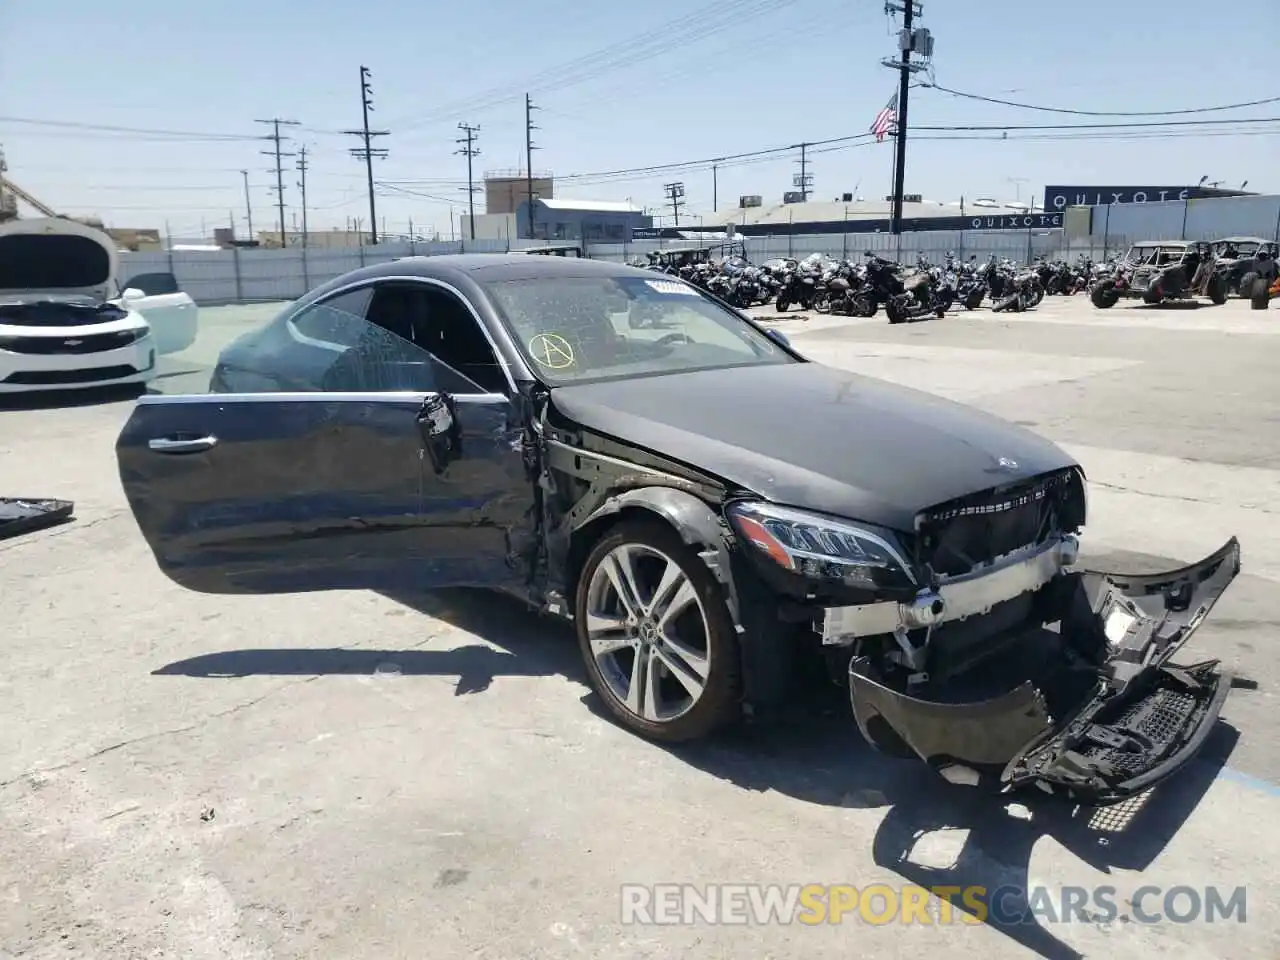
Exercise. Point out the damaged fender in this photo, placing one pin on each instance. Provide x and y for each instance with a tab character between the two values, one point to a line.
1139	721
698	525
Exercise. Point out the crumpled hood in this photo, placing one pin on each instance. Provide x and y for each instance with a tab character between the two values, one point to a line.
816	437
57	257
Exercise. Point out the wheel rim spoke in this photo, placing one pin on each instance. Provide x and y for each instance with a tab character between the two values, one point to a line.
643	697
619	567
608	634
680	667
681	598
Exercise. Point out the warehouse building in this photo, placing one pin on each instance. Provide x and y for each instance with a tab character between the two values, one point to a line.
850	214
587	221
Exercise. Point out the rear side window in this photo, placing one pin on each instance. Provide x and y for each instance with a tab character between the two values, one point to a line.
337	320
155	284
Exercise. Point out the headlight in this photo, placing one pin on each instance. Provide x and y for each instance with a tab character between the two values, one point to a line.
822	548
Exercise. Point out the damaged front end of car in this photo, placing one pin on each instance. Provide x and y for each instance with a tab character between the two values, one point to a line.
1003	661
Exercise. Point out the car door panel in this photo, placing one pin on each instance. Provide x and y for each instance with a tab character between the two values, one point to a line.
171	314
316	487
483	500
173	318
329	478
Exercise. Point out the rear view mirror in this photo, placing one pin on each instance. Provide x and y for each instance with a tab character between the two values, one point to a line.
132	293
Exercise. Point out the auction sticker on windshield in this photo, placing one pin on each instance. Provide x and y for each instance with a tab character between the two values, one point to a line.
671	287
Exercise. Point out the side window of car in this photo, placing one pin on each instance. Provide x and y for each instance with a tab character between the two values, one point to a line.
438	322
336	321
389	336
154	284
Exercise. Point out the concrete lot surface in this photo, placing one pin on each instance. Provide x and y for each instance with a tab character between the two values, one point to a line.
359	775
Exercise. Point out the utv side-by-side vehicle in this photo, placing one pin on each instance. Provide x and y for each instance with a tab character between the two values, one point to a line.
1158	271
1238	259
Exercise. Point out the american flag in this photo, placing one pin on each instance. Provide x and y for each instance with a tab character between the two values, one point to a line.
885	119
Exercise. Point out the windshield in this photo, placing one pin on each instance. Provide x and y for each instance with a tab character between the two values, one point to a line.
593	328
1240	248
1138	254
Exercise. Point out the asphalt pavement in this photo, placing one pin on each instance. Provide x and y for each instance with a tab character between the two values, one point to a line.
360	775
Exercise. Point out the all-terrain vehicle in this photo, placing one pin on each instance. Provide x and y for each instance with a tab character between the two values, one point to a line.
1238	257
1158	271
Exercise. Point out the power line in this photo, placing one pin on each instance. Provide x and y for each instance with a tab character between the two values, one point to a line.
1126	125
368	151
140	131
278	138
1082	131
1100	113
470	151
662	39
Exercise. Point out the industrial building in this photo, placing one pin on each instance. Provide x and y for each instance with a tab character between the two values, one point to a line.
850	214
507	213
1197	218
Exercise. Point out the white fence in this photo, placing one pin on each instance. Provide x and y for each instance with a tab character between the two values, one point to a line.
251	275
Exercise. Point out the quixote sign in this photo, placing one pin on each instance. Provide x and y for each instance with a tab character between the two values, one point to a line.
1007	221
1059	198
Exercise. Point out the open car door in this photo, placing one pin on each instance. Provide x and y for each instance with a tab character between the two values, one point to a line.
172	315
376	467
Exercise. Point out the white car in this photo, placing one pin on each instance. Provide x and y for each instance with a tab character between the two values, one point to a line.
64	320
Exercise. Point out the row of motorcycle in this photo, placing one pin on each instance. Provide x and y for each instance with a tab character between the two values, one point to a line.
862	288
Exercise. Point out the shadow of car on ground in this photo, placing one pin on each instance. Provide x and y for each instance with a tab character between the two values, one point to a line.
811	751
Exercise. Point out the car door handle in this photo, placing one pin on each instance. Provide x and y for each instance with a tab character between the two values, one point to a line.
182	444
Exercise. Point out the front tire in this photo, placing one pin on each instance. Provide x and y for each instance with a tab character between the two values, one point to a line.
1260	294
1105	295
655	634
1216	290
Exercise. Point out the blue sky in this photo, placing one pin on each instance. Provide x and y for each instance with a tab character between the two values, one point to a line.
751	75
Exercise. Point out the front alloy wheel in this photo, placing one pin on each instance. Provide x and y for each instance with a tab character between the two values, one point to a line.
655	633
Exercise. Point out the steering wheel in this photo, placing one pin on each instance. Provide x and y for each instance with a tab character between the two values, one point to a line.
668	338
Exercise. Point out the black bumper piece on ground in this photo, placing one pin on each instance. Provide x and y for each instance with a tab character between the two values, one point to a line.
23	515
1138	720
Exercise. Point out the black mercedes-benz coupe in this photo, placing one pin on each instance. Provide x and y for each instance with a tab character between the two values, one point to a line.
709	508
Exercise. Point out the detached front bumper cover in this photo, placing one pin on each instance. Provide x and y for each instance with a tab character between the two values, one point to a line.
1141	720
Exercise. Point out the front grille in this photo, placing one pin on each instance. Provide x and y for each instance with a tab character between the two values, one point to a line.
954	537
55	377
63	346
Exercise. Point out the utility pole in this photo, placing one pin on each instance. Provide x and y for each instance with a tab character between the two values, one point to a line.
909	41
368	152
278	138
248	204
675	196
470	151
715	187
302	189
803	181
529	147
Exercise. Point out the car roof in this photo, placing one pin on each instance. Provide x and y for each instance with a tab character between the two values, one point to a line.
1241	240
481	267
1161	243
